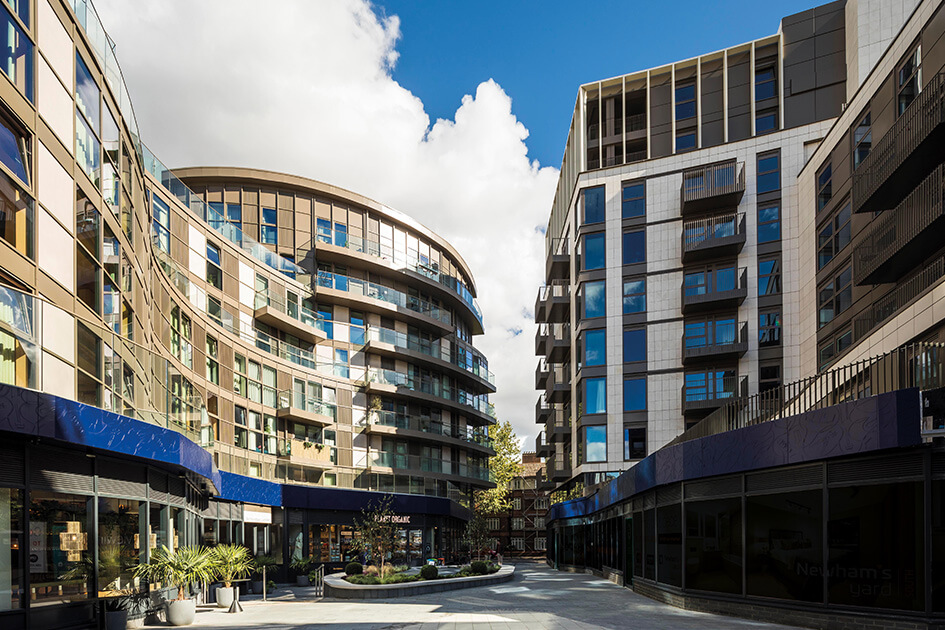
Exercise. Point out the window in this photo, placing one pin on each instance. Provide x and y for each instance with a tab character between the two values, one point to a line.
595	395
765	84
769	276
824	187
214	266
239	375
634	345
685	141
769	224
161	224
634	247
180	337
633	200
323	230
862	140
713	332
213	364
835	296
541	543
268	232
910	75
492	524
710	385
634	296
594	302
14	150
595	347
60	542
234	215
685	102
593	205
634	394
769	173
634	443
769	329
17	55
595	443
712	280
215	309
541	503
833	237
517	504
594	251
518	544
766	122
539	522
769	377
518	523
88	117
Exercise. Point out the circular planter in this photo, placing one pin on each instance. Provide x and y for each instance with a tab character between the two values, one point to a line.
224	596
116	619
181	612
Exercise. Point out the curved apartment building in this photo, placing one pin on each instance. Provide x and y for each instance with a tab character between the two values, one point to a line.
208	354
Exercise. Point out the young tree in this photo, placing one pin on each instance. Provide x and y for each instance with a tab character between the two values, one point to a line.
504	466
477	534
374	530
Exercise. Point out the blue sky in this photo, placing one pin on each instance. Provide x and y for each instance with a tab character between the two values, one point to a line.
539	52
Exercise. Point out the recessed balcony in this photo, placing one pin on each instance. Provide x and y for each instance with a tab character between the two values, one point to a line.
427	429
710	187
542	372
291	317
295	406
542	410
542	448
714	341
558	262
310	454
558	389
709	390
711	289
905	155
899	239
713	237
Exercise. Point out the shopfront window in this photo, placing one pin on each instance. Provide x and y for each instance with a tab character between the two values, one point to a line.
669	545
119	543
59	553
714	545
11	533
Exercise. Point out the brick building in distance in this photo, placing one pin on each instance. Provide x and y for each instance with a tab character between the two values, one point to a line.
520	531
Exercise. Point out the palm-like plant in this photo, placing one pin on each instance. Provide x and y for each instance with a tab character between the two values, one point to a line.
181	568
231	562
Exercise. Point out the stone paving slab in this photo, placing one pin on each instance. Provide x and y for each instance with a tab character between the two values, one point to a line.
537	599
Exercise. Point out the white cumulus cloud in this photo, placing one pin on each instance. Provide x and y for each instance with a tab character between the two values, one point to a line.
307	88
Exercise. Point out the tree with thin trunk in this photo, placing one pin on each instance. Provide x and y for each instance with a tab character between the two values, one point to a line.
374	530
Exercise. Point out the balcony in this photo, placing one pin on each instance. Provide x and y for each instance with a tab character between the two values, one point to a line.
301	408
399	461
903	293
713	237
290	317
427	429
559	469
705	391
559	428
553	304
709	187
553	341
542	372
716	341
542	410
905	155
719	289
542	448
558	388
430	390
311	454
558	263
899	239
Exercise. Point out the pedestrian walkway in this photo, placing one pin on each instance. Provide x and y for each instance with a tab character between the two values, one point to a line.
539	598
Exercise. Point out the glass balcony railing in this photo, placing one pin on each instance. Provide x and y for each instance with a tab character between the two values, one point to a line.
426	425
432	387
298	400
429	464
401	260
294	310
376	291
461	357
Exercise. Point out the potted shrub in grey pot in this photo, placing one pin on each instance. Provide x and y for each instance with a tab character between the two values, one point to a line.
301	566
262	564
180	569
230	562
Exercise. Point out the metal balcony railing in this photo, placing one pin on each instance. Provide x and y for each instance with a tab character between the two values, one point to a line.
713	391
891	303
723	287
722	235
425	424
718	339
896	240
708	186
898	160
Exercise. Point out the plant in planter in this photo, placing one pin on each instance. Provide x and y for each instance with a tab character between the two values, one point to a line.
182	568
116	609
301	566
230	562
262	564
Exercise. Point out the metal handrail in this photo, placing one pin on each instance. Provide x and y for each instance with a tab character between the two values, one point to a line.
698	231
713	180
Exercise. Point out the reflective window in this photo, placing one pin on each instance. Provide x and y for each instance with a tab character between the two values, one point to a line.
765	84
685	142
22	10
119	537
87	94
16	215
14	151
595	395
595	347
214	269
234	215
634	296
634	247
769	276
12	531
685	102
769	224
862	140
909	84
834	236
766	123
769	173
634	443
633	200
268	232
769	328
594	302
87	150
60	548
835	296
594	206
16	57
710	385
714	545
669	544
594	251
786	545
634	345
634	394
595	443
824	187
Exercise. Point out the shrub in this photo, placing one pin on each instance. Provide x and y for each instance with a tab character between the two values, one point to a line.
390	570
313	577
478	568
354	568
270	586
493	567
372	570
429	572
398	578
363	579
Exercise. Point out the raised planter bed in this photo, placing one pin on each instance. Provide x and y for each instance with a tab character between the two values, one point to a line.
337	586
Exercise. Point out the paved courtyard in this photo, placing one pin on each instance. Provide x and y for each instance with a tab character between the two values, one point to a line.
538	598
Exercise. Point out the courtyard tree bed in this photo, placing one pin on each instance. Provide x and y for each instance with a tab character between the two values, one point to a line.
337	586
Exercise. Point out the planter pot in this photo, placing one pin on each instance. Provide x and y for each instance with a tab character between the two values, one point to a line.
224	596
256	587
116	619
301	580
181	612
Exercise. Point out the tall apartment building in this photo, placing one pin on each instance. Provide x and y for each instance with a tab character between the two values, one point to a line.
520	530
673	243
206	355
818	502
